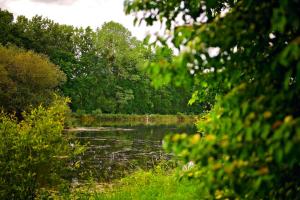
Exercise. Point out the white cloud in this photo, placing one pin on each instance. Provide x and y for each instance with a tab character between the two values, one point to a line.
62	2
78	13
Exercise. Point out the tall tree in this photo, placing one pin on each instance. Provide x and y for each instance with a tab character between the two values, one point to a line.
121	54
27	79
102	67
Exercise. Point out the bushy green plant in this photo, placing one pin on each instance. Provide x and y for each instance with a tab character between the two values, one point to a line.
34	152
243	149
26	79
246	54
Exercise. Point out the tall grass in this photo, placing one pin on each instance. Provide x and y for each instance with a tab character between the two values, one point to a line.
158	184
152	185
129	119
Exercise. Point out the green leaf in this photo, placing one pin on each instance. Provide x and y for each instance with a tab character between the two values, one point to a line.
194	98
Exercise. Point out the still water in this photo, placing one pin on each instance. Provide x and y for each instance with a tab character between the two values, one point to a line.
116	152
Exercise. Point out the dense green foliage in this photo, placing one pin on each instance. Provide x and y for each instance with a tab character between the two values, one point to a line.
34	152
239	57
246	53
99	70
102	66
26	79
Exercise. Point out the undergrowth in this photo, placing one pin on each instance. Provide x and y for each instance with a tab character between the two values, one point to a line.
158	183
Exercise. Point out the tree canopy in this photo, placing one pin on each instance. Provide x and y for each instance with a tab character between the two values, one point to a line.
27	79
102	66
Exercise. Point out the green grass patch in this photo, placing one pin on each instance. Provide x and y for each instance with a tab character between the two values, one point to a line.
152	185
142	185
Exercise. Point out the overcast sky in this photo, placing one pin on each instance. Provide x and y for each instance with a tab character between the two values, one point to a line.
78	12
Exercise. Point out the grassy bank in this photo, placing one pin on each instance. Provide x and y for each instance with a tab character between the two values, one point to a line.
152	185
142	185
129	119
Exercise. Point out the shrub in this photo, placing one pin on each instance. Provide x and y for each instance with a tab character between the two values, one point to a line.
26	79
34	152
244	149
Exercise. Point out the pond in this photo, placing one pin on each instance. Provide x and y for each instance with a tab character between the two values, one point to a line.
115	152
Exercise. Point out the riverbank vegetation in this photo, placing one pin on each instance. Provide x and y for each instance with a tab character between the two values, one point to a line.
246	55
158	183
238	63
35	154
98	120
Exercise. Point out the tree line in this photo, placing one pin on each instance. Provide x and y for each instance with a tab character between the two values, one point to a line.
102	69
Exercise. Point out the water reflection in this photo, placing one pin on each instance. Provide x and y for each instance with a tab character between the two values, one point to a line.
112	154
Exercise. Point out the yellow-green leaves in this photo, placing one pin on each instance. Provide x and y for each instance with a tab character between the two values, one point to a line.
27	79
35	152
250	137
